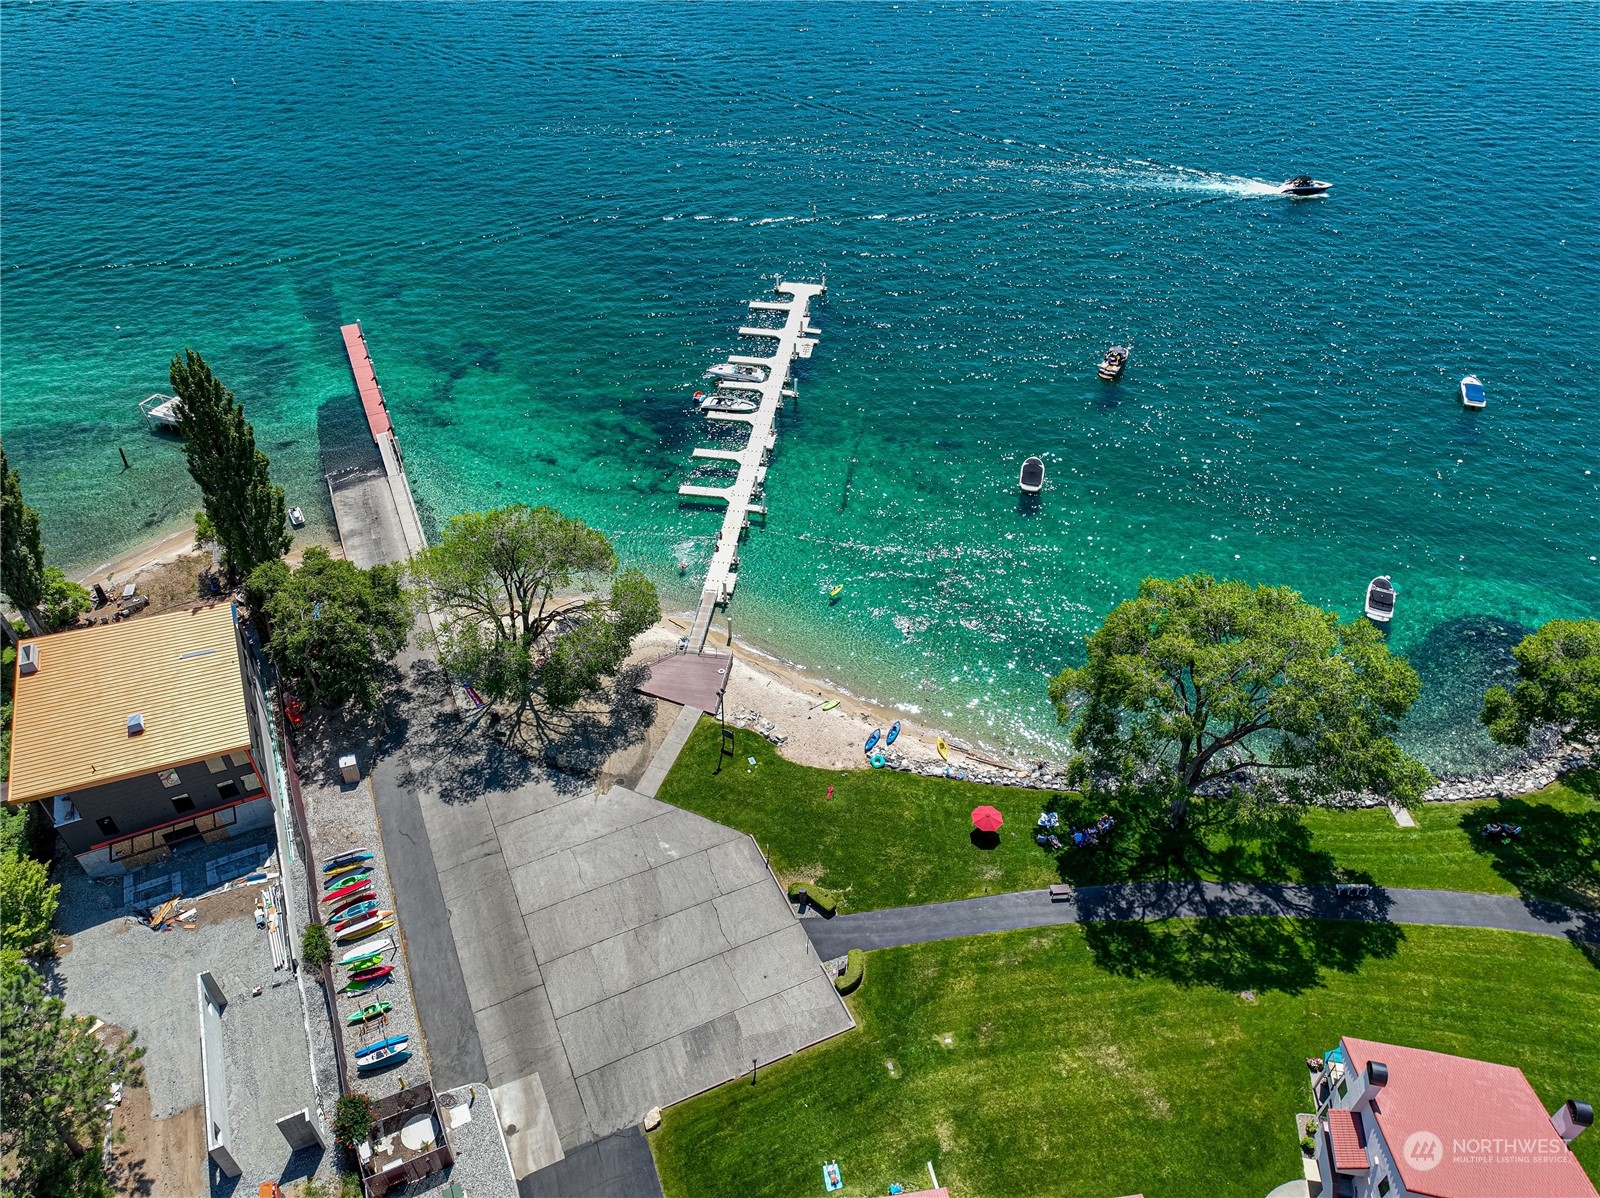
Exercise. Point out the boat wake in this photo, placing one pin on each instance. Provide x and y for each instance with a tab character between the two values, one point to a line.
1156	176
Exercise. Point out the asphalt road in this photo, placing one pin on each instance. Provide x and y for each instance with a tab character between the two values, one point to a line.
618	1166
436	979
1165	900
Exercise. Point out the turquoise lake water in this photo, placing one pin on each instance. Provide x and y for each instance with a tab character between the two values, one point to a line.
549	219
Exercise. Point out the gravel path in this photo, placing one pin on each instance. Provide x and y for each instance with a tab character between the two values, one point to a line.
1165	900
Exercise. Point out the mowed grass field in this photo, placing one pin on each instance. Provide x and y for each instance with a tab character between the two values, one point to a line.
1020	1064
891	839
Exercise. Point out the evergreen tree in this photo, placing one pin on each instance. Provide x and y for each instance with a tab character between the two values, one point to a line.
245	510
21	548
56	1076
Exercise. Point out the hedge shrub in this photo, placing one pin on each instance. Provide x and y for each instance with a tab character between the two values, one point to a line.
855	967
823	900
315	948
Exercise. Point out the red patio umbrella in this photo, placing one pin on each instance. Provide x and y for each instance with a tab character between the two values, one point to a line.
987	819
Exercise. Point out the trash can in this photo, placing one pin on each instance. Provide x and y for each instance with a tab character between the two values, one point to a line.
349	771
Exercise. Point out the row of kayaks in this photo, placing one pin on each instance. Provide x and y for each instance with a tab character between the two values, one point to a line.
354	917
877	735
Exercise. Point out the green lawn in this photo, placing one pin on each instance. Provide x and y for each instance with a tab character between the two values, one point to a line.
1072	1061
890	839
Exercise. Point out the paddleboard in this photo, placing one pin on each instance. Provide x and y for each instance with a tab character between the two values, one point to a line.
366	950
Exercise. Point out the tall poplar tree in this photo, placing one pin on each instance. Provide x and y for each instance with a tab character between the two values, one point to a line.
21	548
245	510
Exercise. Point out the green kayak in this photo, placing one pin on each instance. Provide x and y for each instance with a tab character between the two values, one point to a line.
370	1012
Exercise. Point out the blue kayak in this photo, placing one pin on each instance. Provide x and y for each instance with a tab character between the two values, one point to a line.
391	1042
894	733
877	735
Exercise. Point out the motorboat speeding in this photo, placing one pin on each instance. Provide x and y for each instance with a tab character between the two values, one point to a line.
1303	187
1380	600
1115	362
1031	479
1472	393
734	372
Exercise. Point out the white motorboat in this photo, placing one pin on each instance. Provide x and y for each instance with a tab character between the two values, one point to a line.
738	373
1303	187
1031	479
297	518
728	403
1380	600
161	411
1472	393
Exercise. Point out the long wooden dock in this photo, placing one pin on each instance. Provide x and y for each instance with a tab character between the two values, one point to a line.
795	338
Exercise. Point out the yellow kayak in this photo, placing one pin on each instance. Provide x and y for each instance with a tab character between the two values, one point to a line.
944	749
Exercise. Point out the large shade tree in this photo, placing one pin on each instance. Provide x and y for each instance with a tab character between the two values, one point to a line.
1201	684
331	624
1558	682
22	569
244	512
533	607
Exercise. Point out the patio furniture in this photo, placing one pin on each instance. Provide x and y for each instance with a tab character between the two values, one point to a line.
1060	892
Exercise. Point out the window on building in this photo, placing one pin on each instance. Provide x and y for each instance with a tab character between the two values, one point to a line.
63	812
228	789
182	803
107	825
1344	1089
169	778
1383	1186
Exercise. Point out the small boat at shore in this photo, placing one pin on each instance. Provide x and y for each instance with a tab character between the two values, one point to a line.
384	1059
877	735
1380	599
354	916
379	921
371	961
1031	478
737	372
1472	394
380	1045
347	867
942	749
1115	362
894	733
368	1013
355	900
351	886
376	973
1304	187
361	952
343	859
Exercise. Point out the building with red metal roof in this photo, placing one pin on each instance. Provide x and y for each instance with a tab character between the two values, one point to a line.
1396	1121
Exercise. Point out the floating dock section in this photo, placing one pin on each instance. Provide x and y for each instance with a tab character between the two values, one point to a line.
795	338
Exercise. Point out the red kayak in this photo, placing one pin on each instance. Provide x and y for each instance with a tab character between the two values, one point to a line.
373	974
346	891
345	904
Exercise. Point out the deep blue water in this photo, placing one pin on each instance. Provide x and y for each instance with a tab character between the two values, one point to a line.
548	220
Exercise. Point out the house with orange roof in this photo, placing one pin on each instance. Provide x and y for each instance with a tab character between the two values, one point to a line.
136	737
1395	1121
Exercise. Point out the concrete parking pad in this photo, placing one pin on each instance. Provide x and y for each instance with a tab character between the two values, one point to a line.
525	1119
620	953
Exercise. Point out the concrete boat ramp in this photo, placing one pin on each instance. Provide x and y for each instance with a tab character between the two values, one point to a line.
794	338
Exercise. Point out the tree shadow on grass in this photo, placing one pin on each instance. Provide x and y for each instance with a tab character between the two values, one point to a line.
1258	953
1221	838
1556	859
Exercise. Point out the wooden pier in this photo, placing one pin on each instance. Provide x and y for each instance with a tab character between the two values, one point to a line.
795	338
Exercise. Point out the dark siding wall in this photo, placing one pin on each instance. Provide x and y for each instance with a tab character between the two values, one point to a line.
140	803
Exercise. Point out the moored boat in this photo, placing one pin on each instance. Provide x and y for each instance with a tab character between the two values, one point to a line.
297	518
1030	480
161	411
1304	187
1380	599
728	403
1115	362
1472	393
738	372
